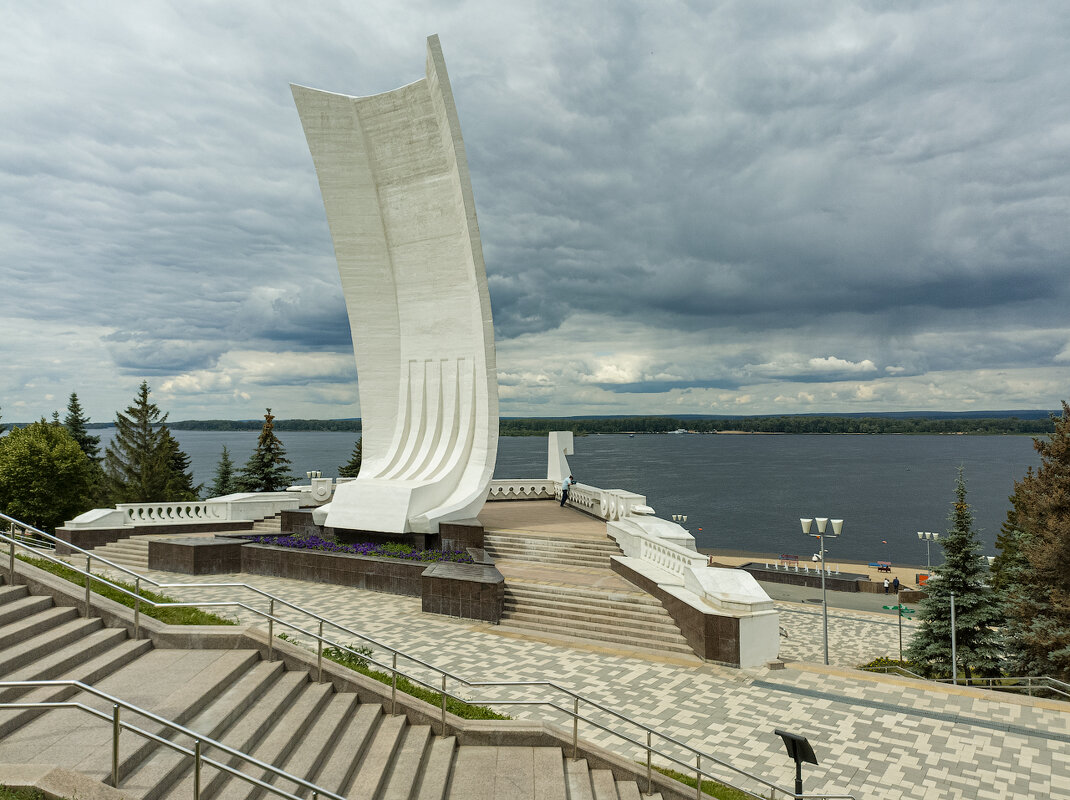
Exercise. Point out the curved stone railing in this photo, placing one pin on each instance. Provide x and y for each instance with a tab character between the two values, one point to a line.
171	513
670	557
607	504
523	490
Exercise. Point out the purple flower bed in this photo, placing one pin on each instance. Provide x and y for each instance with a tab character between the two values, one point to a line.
400	551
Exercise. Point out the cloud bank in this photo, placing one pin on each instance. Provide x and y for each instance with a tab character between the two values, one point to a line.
688	208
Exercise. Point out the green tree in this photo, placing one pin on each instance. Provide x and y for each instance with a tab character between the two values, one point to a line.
224	482
45	478
140	459
180	485
977	612
76	422
2	427
266	470
1035	559
352	468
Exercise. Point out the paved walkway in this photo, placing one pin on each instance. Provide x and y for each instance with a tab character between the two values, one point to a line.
876	737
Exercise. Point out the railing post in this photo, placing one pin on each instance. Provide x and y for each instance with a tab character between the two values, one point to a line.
271	630
649	776
394	687
319	654
11	556
575	727
115	745
197	769
137	608
698	777
88	561
443	705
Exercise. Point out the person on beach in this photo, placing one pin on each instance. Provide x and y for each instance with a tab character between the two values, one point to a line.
886	585
566	485
895	585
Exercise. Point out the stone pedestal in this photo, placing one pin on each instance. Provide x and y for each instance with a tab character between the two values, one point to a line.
208	556
473	591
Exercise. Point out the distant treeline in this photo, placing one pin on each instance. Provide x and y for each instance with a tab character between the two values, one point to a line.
786	424
329	425
540	426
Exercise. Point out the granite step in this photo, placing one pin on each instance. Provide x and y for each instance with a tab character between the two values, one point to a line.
618	634
375	764
291	725
21	607
87	671
175	684
10	593
435	776
355	736
580	620
46	641
30	626
243	735
165	766
320	741
575	605
52	666
406	764
594	596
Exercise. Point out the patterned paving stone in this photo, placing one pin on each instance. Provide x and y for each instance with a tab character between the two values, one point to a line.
874	737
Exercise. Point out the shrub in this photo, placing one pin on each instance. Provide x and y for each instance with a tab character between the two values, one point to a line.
390	550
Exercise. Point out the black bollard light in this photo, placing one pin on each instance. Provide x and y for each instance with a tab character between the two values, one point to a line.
800	750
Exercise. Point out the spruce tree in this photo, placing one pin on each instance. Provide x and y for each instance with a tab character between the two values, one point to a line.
180	485
2	427
1037	557
977	611
266	469
352	468
76	421
224	482
138	460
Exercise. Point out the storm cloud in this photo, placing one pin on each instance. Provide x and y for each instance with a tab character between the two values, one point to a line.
740	207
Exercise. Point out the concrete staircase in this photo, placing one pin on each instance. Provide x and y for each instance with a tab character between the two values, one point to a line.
133	551
551	550
268	525
633	620
258	707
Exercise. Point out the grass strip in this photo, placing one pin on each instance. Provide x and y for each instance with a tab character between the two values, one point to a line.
359	663
712	788
9	793
170	616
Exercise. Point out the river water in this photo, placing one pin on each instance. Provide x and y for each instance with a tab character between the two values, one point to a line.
743	492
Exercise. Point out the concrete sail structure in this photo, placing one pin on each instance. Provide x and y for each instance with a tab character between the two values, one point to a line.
396	189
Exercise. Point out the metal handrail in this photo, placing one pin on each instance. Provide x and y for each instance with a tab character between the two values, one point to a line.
198	739
699	756
1032	682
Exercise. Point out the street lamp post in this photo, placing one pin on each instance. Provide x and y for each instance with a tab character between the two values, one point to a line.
928	536
837	526
902	609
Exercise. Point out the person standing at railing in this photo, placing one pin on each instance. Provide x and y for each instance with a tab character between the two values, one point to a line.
566	484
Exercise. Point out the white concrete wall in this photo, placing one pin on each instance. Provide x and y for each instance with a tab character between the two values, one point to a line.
396	189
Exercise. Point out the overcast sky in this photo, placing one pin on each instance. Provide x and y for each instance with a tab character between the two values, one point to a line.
685	207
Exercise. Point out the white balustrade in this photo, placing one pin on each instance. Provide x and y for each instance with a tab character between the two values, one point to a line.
536	489
171	513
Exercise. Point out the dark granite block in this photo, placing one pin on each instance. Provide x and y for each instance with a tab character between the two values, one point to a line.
207	556
472	591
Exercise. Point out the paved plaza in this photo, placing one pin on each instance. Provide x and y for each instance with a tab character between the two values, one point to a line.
875	736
